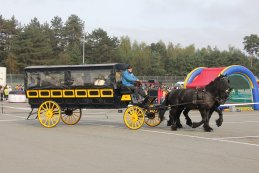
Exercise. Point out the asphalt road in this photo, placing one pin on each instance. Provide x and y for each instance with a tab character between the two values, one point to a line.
101	142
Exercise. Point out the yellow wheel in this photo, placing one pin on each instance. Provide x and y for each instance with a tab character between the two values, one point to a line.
71	116
134	117
49	114
152	118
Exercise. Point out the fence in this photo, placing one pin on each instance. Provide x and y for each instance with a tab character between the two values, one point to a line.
14	79
169	80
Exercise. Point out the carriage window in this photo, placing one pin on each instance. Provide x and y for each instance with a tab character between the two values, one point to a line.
90	76
32	79
118	76
78	78
70	77
101	76
52	78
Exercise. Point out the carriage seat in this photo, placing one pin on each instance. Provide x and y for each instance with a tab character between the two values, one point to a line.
125	90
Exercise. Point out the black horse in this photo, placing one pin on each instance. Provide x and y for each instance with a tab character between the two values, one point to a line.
205	100
220	100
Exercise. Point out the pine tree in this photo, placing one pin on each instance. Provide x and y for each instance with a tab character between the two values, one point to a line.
32	46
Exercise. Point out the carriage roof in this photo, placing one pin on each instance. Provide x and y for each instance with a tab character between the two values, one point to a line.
117	66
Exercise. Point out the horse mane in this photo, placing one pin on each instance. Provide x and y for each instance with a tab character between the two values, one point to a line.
216	84
211	86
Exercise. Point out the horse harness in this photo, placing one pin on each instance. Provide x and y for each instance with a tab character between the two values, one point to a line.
198	96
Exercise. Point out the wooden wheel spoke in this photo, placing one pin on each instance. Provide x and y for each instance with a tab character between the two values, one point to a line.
128	115
52	121
45	120
56	118
48	122
49	114
55	113
128	118
140	115
52	107
137	123
44	109
75	115
152	122
130	112
133	125
46	106
72	118
134	117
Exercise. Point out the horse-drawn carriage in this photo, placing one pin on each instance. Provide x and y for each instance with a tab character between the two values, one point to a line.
63	91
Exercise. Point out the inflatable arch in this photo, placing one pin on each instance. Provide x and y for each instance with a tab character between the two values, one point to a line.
201	76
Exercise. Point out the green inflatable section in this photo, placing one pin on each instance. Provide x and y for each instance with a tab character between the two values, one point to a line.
242	92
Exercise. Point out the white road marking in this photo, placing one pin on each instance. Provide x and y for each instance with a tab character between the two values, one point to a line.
16	108
190	136
236	142
10	120
237	137
240	122
15	116
199	137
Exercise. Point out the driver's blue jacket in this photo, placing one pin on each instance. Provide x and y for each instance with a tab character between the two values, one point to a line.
128	79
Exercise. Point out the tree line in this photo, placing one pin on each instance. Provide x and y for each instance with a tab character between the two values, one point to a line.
62	43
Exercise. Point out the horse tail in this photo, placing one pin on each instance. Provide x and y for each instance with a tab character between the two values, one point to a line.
163	108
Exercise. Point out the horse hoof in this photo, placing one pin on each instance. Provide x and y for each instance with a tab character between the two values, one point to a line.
189	123
219	122
208	129
195	125
173	128
179	126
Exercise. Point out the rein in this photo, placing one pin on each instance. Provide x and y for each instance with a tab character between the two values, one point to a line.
161	107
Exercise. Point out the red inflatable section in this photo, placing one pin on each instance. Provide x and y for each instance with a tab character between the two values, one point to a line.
205	77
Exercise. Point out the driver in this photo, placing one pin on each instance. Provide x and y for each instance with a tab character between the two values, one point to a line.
130	80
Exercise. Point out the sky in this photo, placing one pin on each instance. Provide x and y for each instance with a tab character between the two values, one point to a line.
218	23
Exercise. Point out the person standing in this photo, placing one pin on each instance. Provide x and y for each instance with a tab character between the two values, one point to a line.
6	92
1	93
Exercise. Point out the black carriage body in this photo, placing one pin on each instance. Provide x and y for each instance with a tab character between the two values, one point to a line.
77	86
